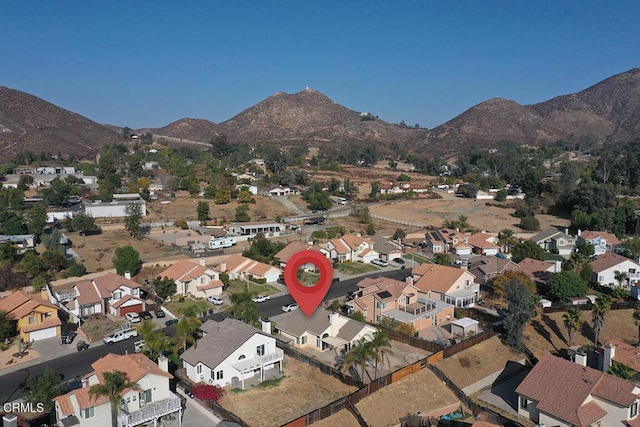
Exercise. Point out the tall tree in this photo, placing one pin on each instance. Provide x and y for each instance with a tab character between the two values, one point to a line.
186	331
572	321
519	312
598	314
7	326
501	281
133	218
242	307
155	341
112	385
381	349
526	249
360	354
506	239
126	259
43	389
636	318
566	284
203	211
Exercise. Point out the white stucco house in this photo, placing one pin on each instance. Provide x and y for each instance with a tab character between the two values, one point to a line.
194	279
609	265
232	353
150	402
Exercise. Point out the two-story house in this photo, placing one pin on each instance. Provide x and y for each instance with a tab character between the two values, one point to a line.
239	267
614	270
146	403
485	268
323	330
558	392
539	271
232	353
447	240
194	279
380	298
351	247
293	248
452	285
601	241
36	317
483	244
555	240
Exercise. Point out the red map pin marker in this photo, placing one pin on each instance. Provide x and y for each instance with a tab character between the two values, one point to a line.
308	297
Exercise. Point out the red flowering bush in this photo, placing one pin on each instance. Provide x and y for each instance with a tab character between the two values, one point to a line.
208	392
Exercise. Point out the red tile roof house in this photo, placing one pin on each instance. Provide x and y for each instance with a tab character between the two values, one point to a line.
148	402
194	279
379	298
539	271
293	248
558	392
351	247
484	244
621	352
240	268
605	267
449	284
485	268
601	241
444	240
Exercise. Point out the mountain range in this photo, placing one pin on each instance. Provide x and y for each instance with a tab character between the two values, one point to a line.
609	111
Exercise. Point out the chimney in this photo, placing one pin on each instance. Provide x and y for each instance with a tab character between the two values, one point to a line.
409	280
580	357
202	263
609	354
333	324
579	232
44	294
557	268
266	326
127	275
163	363
10	420
222	267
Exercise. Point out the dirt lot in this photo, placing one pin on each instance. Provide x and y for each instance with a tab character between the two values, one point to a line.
477	362
98	327
343	418
422	391
302	390
547	331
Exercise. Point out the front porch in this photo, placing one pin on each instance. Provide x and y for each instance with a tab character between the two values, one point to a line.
152	412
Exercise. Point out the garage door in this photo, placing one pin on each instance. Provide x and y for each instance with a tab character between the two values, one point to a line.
42	334
130	309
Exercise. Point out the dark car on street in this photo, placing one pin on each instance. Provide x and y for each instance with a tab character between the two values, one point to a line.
171	322
160	314
68	337
145	315
82	345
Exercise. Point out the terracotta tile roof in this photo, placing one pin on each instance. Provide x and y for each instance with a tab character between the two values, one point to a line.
261	269
239	264
626	354
531	266
341	247
87	293
354	241
293	248
608	260
439	278
481	240
364	252
135	365
66	407
215	283
184	270
234	262
19	304
561	387
484	424
371	286
110	282
609	237
86	401
125	299
49	322
634	422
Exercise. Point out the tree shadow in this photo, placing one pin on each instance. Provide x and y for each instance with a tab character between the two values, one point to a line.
553	325
587	331
544	333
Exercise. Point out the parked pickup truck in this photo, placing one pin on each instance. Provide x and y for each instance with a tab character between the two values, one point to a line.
118	336
138	346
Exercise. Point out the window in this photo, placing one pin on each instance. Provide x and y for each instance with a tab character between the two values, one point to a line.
378	318
89	412
632	270
145	397
378	304
48	314
303	339
242	356
32	320
198	369
117	295
219	374
523	402
634	410
318	343
135	291
260	350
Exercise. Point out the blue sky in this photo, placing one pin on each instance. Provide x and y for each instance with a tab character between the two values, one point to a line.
148	63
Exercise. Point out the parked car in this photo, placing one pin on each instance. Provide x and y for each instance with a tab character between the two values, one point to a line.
215	300
398	261
171	322
145	315
261	298
82	345
379	262
68	337
290	307
160	313
335	280
120	336
132	317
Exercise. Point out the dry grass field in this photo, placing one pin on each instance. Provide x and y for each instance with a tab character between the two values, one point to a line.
343	418
303	389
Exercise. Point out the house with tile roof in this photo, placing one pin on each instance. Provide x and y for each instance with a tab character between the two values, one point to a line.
452	285
194	279
351	247
621	352
322	331
232	353
484	244
558	392
387	249
485	268
36	317
146	403
447	240
239	267
293	248
385	298
601	241
539	271
556	241
609	265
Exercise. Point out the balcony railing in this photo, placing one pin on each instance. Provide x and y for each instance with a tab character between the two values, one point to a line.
151	411
259	361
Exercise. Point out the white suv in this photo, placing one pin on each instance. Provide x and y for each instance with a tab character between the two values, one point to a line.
379	262
132	317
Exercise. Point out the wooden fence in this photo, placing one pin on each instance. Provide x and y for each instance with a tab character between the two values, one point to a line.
408	339
468	342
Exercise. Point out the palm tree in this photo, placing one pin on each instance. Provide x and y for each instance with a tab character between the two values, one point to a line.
242	307
155	342
361	354
113	385
381	348
506	239
186	330
621	277
572	321
636	318
7	326
598	315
